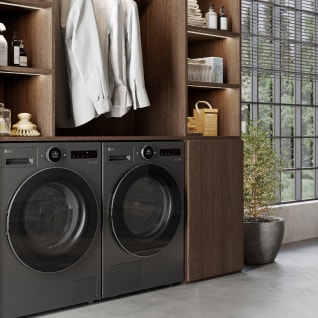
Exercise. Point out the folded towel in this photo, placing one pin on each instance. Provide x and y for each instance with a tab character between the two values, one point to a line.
194	10
196	22
202	25
194	14
193	6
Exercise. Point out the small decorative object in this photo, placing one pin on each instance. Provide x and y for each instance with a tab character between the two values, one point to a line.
206	119
5	120
24	127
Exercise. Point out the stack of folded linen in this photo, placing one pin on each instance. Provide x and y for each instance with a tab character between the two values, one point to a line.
194	14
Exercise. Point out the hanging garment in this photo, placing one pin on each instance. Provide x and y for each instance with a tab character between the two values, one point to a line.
88	83
135	72
110	24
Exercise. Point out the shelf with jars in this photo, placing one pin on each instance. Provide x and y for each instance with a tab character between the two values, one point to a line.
26	84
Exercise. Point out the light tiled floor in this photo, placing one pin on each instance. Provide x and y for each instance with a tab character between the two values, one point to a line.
287	288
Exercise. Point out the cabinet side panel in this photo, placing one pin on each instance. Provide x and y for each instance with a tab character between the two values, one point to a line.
215	208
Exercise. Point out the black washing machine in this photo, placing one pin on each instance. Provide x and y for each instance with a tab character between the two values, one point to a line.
50	231
143	216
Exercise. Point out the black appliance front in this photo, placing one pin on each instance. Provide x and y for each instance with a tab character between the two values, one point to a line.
52	220
143	237
50	250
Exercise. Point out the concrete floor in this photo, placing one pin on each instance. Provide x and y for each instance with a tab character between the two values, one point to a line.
286	288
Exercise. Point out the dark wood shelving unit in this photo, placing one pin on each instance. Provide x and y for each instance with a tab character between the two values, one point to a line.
214	235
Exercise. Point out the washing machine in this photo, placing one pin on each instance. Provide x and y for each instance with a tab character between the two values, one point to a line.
143	216
50	231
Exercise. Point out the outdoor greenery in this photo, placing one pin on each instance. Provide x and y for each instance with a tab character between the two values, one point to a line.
279	86
261	172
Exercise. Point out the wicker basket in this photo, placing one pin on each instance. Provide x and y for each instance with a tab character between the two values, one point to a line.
206	119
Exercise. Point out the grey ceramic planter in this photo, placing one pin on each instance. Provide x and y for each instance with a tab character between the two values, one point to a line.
262	240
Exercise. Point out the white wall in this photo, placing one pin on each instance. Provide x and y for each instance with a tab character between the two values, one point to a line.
301	220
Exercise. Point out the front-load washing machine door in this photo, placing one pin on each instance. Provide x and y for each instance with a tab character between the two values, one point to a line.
145	210
52	219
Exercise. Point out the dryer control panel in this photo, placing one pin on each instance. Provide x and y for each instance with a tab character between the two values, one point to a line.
141	152
170	152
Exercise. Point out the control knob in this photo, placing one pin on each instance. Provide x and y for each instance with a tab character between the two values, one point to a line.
147	152
53	154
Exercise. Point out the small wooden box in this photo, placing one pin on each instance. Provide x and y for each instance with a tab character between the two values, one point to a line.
206	119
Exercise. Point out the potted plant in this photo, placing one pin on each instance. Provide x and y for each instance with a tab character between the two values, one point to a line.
263	233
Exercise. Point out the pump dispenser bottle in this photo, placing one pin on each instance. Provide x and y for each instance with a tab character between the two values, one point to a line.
3	47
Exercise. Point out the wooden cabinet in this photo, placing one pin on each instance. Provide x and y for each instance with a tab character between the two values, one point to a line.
30	89
204	42
214	200
214	164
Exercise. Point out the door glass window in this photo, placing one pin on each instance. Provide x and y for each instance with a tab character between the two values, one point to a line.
52	220
146	207
146	210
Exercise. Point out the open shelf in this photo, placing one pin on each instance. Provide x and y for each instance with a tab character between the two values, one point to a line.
208	85
28	71
20	5
202	34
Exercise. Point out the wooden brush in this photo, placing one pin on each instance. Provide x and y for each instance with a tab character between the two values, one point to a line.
24	127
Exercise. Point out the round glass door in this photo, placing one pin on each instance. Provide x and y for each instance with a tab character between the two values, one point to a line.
145	210
52	220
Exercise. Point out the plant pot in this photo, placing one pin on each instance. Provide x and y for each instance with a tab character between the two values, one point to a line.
262	240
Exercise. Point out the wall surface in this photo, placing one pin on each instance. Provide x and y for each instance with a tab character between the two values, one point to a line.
301	220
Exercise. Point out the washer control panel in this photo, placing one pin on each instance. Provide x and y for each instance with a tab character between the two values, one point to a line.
84	154
54	154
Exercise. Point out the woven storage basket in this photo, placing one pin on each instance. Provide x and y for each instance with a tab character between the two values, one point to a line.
206	119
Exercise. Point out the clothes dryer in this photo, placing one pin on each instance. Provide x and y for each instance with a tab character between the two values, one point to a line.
143	215
50	243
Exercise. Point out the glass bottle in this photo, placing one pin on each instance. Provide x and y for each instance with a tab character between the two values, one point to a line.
222	19
3	47
5	121
15	50
211	18
23	56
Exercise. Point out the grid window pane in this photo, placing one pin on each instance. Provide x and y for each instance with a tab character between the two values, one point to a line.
288	189
287	121
287	152
265	89
307	155
280	49
308	185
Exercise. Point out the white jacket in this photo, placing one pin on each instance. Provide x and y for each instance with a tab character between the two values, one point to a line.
90	91
110	24
135	70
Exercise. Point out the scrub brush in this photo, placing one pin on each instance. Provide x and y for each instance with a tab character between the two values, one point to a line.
24	127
